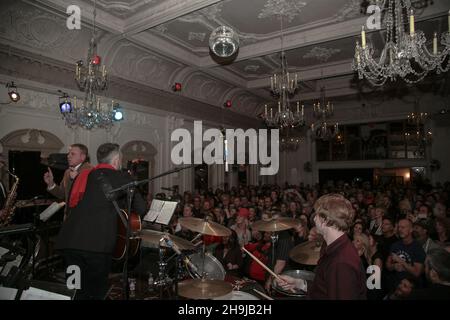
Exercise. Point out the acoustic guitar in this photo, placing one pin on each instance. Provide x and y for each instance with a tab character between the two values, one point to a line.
135	241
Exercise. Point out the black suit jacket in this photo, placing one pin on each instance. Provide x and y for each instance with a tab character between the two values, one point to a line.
92	224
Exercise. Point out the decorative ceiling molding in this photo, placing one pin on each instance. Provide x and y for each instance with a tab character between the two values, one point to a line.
165	11
200	36
321	53
287	8
349	11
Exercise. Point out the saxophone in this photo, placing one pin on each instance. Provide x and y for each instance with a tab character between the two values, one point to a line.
10	205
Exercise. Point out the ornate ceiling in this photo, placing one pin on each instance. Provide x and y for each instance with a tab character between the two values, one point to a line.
158	42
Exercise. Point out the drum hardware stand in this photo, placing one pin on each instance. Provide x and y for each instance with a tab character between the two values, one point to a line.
163	280
274	238
130	188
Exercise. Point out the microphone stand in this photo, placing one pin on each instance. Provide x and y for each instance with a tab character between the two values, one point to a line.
130	188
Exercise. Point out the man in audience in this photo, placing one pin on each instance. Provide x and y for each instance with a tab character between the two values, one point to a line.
406	255
421	234
437	271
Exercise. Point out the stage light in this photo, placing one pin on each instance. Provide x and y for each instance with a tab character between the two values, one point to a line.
65	105
118	114
12	91
177	87
227	104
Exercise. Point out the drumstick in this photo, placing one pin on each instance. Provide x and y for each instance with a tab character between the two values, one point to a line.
262	294
265	267
262	265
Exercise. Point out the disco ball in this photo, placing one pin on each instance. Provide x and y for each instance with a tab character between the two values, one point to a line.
223	42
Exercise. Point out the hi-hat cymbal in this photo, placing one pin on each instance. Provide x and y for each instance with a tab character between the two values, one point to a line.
204	227
274	225
151	238
306	253
203	288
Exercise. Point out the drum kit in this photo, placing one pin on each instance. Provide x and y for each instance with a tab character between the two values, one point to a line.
206	274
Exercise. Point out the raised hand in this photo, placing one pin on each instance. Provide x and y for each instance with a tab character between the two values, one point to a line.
48	177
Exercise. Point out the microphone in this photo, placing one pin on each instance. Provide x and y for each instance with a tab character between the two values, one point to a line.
175	248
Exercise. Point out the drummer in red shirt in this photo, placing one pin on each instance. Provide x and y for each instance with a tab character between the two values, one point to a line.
339	274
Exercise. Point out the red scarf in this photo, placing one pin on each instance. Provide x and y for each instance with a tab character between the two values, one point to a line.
79	186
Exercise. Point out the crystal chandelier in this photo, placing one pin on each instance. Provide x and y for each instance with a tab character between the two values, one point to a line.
405	55
420	136
322	111
91	77
283	86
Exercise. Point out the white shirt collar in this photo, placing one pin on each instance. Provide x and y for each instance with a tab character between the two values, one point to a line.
78	166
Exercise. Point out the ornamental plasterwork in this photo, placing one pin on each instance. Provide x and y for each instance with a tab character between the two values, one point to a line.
35	28
212	12
350	10
251	68
200	36
286	8
160	28
320	53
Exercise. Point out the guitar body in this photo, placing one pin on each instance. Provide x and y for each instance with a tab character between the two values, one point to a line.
135	241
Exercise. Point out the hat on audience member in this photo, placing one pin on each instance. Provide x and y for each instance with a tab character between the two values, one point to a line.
243	212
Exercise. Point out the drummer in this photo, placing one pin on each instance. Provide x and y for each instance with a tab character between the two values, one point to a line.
339	273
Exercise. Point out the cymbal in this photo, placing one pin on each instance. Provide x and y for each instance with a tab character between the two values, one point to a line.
205	227
151	238
306	253
274	225
203	288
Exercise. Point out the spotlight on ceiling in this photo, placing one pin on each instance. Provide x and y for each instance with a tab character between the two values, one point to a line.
117	113
12	91
177	87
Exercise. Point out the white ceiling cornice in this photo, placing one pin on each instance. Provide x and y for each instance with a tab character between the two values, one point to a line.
164	12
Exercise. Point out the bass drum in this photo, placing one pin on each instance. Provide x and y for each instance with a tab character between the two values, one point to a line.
212	267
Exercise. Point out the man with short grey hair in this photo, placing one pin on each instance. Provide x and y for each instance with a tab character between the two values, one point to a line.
88	236
437	271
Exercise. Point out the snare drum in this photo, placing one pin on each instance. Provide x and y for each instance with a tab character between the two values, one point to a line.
297	274
213	268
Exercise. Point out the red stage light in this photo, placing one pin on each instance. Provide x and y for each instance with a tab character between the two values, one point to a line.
176	87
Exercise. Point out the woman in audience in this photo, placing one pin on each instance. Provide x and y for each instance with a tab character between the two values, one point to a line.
241	227
442	226
230	255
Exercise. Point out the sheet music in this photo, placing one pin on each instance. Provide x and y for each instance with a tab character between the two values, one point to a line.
51	210
166	212
161	211
38	294
154	211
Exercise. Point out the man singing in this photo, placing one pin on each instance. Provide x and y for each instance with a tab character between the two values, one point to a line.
77	157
